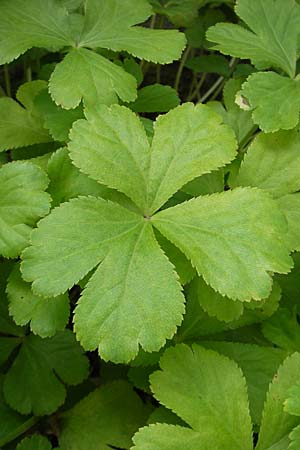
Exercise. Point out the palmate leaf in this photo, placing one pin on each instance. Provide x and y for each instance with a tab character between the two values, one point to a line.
209	393
273	39
107	417
42	364
22	202
125	297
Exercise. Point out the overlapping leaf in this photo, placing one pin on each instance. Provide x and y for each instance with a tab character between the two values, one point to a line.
22	202
107	417
42	364
209	393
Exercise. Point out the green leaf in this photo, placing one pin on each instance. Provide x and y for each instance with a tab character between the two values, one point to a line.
18	126
27	93
46	316
67	182
272	163
12	423
41	365
110	24
142	290
283	330
179	12
295	438
86	75
57	120
22	202
209	393
35	23
223	308
276	423
85	229
155	98
292	403
273	100
209	64
34	442
259	365
233	244
273	39
290	205
206	184
116	144
107	417
7	346
188	142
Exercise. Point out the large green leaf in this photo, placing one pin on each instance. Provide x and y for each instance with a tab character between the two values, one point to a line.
110	24
42	365
34	23
273	100
233	244
46	316
118	309
107	417
276	423
22	202
209	393
273	39
18	127
272	163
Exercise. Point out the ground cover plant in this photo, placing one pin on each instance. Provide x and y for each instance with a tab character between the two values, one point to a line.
149	225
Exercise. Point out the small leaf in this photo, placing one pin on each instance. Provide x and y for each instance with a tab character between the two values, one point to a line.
41	365
272	163
290	205
155	98
107	417
46	316
34	442
273	99
276	423
22	202
209	64
86	75
283	330
18	127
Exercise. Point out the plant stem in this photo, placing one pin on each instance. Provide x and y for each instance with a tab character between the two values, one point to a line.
7	80
211	89
180	67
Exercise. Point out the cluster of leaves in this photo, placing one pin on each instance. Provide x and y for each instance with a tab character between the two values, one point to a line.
149	264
